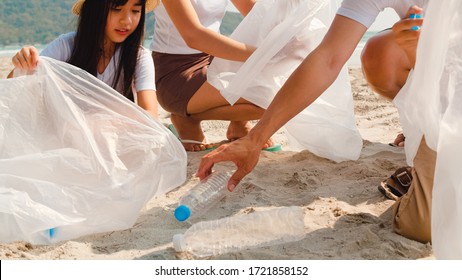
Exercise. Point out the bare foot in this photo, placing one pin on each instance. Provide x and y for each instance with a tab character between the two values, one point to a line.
239	129
189	132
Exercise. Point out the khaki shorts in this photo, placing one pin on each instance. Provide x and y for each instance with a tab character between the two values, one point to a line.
412	212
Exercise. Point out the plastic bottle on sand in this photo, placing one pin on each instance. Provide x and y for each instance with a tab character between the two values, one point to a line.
203	196
236	233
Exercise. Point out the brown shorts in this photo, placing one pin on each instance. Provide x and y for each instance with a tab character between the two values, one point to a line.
178	77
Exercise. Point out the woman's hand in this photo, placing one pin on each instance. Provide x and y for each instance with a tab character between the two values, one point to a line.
26	59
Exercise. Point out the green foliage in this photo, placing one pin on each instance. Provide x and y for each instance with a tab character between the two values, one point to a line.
40	21
34	21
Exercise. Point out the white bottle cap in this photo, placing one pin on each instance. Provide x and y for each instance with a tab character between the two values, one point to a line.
178	242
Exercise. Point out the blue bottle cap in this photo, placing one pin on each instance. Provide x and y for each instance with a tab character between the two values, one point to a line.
182	213
51	232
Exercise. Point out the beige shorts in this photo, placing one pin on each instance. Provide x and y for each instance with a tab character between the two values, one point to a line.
412	212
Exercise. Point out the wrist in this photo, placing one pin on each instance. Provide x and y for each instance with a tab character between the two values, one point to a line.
257	137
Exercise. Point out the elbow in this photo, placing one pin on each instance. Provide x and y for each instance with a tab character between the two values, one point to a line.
336	66
331	59
336	63
332	63
194	39
192	43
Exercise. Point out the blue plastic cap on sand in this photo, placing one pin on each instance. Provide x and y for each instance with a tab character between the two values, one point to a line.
182	213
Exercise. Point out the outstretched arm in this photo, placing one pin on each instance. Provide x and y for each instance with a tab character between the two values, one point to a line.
313	76
198	37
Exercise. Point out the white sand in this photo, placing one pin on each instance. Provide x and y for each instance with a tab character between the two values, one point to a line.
346	216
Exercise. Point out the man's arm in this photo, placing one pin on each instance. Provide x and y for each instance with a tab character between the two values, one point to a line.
313	76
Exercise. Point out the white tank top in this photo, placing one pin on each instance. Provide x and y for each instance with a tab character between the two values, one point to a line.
166	37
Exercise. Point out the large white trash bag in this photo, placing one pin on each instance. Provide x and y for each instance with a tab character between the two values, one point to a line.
285	33
76	157
431	105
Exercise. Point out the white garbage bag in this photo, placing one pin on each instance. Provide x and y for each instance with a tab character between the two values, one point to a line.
76	157
285	32
431	105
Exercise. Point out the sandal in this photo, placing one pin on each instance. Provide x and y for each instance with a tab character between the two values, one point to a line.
397	184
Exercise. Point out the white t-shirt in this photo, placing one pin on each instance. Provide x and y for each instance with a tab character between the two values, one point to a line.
366	11
166	37
61	49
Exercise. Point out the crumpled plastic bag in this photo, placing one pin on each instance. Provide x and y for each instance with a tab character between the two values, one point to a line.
76	157
430	105
285	32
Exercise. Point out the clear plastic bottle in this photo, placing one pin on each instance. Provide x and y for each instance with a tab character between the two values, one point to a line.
203	196
231	234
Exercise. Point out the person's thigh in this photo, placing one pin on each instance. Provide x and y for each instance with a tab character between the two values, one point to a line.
208	98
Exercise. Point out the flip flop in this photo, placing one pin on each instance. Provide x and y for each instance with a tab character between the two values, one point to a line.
171	127
274	148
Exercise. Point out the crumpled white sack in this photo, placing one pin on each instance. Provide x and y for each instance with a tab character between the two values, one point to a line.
76	157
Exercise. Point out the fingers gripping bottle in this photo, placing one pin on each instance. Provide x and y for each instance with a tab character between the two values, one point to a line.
203	196
236	233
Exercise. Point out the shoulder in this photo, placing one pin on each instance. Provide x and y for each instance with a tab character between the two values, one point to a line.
144	55
363	11
61	47
67	38
145	73
144	61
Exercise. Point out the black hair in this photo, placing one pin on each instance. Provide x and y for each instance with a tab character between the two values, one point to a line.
89	42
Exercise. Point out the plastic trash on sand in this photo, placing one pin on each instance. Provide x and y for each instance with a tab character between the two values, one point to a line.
285	32
76	157
241	232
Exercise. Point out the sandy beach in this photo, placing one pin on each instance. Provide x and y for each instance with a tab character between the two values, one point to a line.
346	217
